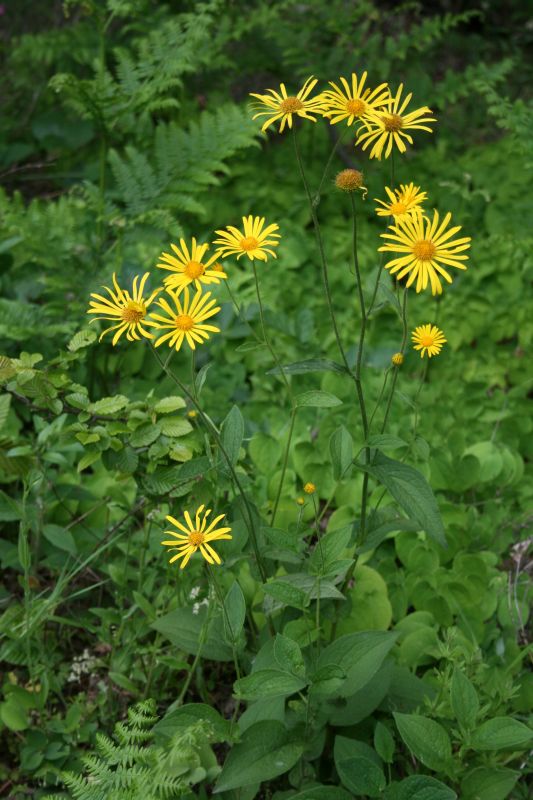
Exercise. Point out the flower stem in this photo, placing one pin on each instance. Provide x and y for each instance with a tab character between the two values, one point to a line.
201	641
229	629
294	409
396	371
316	199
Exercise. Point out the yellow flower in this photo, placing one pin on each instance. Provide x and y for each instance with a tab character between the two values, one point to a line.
128	311
300	501
280	105
192	414
309	488
186	319
403	202
196	536
188	266
397	359
254	242
354	103
429	339
349	180
388	126
425	246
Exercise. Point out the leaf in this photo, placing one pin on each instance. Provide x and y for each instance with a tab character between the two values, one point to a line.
288	655
386	442
187	715
82	339
232	434
13	715
183	629
175	426
317	399
201	376
5	403
286	593
309	365
87	459
329	549
10	509
123	681
501	733
321	793
23	550
165	479
145	434
265	451
384	743
420	787
464	699
426	739
169	404
361	776
60	538
108	405
360	655
488	783
412	492
268	683
236	611
265	753
341	450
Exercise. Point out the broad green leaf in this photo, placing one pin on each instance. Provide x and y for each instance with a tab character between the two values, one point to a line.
327	680
81	339
341	450
426	739
60	538
329	550
169	404
321	793
183	628
265	451
268	683
265	752
108	405
201	376
123	681
501	733
87	459
488	783
10	509
286	593
317	399
385	441
309	365
13	715
464	699
24	554
421	787
145	434
175	426
288	655
360	655
232	434
165	479
187	715
5	403
384	743
235	605
412	492
361	776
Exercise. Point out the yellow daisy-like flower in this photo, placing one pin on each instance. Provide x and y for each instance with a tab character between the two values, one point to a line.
189	266
186	320
309	488
425	246
127	310
397	359
255	242
280	105
403	202
388	127
354	102
196	536
428	339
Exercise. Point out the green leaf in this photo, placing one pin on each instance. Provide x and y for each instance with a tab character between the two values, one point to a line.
183	629
60	538
421	787
361	776
10	509
265	451
24	554
341	449
145	434
5	403
232	434
235	605
309	365
82	339
426	739
169	404
108	405
384	743
284	592
265	753
317	399
360	655
165	479
123	681
288	655
187	715
13	715
201	376
464	699
268	683
175	426
501	733
87	459
386	442
321	793
412	492
329	549
488	783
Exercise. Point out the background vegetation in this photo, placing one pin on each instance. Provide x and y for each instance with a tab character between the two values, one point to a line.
125	125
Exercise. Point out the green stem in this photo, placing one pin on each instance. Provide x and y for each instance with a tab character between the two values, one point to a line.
227	622
239	312
201	641
212	428
382	260
380	397
316	199
294	410
396	371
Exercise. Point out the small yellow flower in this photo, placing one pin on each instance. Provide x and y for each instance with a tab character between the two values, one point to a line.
355	102
196	536
280	105
128	311
300	501
349	180
254	242
428	339
388	127
189	266
192	414
403	202
397	359
186	320
424	247
309	488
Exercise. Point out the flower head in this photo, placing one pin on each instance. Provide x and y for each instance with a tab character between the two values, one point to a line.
388	127
403	202
280	105
353	102
425	247
255	241
309	488
196	535
428	339
397	359
349	180
127	310
186	319
300	501
188	265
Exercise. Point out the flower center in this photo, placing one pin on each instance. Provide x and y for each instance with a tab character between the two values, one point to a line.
393	123
290	105
427	340
194	269
184	322
398	208
217	267
133	312
249	243
196	538
356	107
424	250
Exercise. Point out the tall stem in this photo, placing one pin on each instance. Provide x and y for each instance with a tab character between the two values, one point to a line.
396	371
316	199
231	634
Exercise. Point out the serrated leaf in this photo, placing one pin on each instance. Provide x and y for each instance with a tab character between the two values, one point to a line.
232	434
288	655
309	365
317	399
5	403
145	434
385	441
341	449
108	405
360	655
426	739
235	605
169	404
268	683
421	787
175	426
82	339
501	733
464	699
